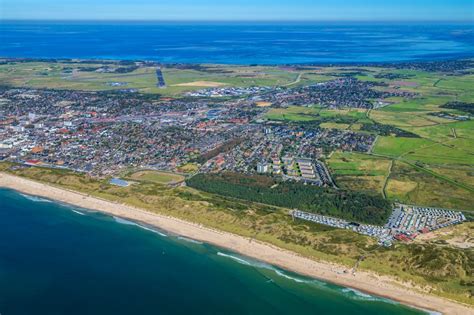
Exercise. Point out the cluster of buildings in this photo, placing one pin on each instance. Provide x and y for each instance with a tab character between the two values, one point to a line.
299	169
103	132
338	93
451	116
288	151
230	91
449	66
405	223
382	234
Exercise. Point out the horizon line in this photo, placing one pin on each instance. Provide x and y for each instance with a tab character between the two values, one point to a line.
468	21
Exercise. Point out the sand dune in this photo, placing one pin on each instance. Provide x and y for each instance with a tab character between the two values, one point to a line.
365	281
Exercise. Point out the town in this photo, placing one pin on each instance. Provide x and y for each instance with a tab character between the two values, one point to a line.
102	133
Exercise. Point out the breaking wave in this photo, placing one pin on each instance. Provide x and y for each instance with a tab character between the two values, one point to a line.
35	198
274	269
190	240
284	275
358	295
128	222
237	259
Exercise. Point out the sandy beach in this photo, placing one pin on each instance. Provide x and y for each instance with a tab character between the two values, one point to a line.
364	281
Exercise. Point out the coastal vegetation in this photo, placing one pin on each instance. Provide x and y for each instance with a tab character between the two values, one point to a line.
443	269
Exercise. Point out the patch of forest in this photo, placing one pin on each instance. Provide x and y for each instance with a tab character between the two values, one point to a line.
388	130
462	106
352	206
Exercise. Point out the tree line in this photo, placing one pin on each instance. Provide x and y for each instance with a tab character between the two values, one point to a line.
349	205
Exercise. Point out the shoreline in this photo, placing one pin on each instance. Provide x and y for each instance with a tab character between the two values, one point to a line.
369	282
386	63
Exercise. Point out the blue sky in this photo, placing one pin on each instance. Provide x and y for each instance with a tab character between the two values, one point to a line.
315	10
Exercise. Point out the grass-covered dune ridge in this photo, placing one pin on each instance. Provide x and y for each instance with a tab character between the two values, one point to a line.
433	266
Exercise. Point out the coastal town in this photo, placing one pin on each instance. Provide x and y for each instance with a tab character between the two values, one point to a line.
102	134
237	157
222	129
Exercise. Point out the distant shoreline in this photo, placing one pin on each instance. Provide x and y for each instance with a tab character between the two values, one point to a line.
383	286
157	62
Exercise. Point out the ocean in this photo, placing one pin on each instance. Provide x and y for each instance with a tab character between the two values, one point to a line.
59	259
238	43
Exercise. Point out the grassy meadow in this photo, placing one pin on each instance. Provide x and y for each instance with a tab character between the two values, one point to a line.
155	177
62	75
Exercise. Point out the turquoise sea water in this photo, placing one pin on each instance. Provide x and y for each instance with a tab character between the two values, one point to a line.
57	259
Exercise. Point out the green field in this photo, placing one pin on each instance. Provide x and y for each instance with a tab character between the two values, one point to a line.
156	177
69	75
358	171
294	113
330	125
328	118
436	169
394	146
411	185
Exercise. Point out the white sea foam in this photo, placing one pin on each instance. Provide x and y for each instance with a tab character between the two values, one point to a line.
358	295
284	275
123	221
127	222
78	212
237	259
152	230
35	198
274	269
190	240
